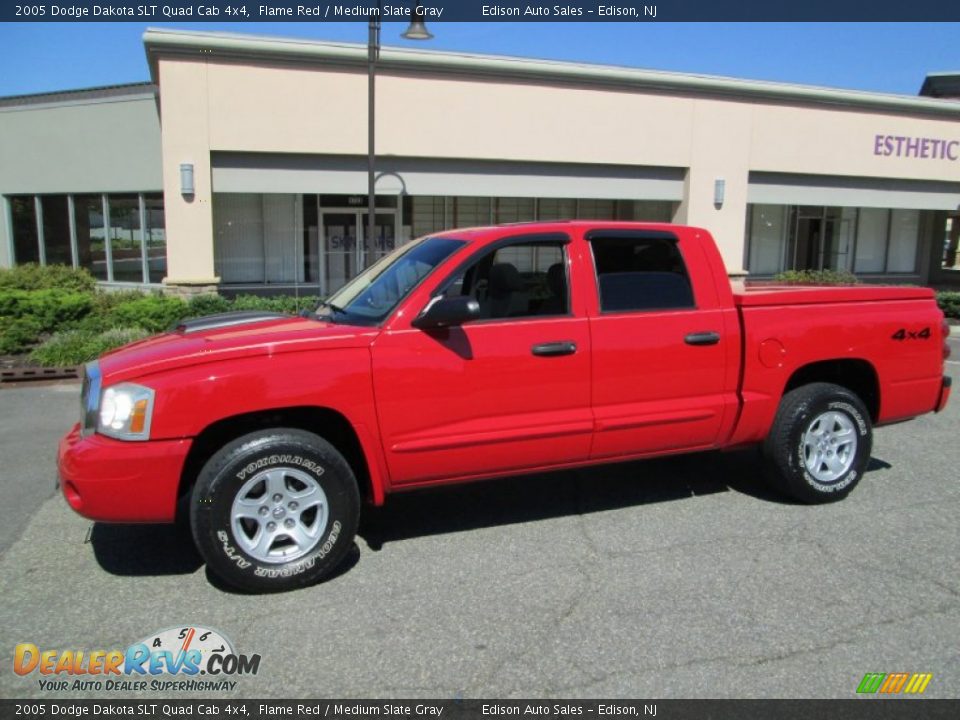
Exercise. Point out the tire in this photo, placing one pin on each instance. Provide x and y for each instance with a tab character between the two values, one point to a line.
275	510
819	445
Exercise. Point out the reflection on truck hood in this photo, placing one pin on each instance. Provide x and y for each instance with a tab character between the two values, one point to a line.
221	342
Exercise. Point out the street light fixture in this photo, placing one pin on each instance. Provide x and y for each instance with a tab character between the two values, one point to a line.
416	31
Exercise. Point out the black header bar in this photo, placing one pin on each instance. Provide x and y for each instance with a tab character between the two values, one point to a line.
240	11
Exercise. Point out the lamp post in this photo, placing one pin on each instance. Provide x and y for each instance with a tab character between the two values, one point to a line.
416	31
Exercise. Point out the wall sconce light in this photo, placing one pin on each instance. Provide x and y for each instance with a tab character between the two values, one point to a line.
719	190
186	179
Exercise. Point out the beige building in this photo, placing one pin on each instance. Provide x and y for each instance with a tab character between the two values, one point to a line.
263	151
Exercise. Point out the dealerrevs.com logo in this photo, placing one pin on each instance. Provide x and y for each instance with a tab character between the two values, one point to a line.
186	658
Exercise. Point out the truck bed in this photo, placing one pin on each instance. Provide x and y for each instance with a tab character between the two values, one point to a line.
762	294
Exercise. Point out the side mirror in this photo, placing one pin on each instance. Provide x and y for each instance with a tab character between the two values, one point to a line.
444	312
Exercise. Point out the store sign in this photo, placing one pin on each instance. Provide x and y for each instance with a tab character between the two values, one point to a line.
916	147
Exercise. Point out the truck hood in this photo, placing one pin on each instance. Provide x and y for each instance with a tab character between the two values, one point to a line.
209	342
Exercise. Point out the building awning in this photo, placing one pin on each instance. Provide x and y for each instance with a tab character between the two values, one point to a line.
279	173
788	189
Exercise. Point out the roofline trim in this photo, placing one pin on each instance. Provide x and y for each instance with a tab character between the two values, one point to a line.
80	96
158	41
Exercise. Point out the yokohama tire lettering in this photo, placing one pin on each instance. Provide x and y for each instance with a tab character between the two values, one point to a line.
271	460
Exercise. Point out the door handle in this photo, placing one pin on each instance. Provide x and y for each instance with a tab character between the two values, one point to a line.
702	338
551	349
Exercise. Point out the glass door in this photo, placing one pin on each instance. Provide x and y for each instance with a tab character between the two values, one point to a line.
385	239
345	250
338	260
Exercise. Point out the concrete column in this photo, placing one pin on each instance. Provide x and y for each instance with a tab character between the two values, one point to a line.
185	139
720	150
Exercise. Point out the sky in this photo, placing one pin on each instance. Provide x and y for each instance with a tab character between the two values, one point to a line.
880	57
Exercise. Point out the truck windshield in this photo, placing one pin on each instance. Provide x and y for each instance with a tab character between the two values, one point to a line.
374	293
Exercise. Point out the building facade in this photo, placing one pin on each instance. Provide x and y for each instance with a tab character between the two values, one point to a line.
243	166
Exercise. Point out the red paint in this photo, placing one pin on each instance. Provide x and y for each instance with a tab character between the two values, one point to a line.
471	402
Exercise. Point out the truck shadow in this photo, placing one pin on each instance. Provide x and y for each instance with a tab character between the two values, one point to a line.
548	495
143	550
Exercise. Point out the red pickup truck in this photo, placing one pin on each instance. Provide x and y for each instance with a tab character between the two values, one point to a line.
489	352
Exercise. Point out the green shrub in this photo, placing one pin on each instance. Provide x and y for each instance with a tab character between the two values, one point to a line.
105	301
278	303
18	334
156	313
74	347
201	305
817	277
949	302
50	309
31	276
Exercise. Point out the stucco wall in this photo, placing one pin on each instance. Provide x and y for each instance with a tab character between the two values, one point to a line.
249	106
98	146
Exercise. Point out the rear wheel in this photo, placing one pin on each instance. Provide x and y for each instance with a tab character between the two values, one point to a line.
820	442
275	510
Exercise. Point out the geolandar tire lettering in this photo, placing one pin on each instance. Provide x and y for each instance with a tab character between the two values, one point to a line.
275	510
820	443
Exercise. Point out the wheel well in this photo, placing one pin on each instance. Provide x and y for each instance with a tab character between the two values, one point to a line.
858	376
327	423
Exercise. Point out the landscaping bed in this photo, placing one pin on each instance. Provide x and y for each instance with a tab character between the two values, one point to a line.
55	316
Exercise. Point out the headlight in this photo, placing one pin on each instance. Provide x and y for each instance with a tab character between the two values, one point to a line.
125	412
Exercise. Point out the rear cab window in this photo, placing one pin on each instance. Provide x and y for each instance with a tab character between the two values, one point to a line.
640	272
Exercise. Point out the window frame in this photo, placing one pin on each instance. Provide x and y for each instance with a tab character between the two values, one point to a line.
617	233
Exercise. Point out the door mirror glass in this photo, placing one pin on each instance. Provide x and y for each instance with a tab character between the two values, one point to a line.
447	312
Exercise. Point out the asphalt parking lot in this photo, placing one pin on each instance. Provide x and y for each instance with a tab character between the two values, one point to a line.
679	577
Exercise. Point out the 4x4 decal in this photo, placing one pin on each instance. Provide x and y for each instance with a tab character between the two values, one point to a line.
904	334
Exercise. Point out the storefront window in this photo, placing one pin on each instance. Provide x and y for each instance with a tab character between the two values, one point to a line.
56	230
425	214
471	211
156	237
871	240
556	209
596	209
508	210
258	237
768	237
91	237
904	231
24	216
125	238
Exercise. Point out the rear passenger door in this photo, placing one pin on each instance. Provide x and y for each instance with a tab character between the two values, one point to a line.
660	351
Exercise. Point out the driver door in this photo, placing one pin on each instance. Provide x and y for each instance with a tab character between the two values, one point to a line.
506	393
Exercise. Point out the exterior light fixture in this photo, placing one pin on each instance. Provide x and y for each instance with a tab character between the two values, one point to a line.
719	190
418	28
186	179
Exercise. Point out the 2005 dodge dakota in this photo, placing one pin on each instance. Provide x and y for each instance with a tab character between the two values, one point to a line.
488	352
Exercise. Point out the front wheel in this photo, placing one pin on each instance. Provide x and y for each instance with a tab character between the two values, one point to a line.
275	510
820	442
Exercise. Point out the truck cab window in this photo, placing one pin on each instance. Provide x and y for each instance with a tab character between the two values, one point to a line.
640	273
517	281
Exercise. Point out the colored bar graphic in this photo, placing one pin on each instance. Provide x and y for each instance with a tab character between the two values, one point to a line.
871	683
918	683
893	683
